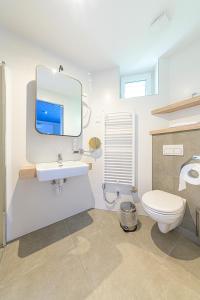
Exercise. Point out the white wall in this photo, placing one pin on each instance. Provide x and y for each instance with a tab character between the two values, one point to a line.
184	75
105	98
178	78
30	204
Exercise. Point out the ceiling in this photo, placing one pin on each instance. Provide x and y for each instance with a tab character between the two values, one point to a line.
100	34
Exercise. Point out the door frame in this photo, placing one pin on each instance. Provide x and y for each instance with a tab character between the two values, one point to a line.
2	155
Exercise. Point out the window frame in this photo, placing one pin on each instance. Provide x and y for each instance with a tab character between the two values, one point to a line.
147	77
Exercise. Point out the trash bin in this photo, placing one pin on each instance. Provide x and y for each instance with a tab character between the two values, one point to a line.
128	216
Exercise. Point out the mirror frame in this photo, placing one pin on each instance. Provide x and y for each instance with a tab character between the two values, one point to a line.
81	131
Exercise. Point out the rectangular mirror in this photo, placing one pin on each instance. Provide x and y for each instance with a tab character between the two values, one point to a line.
58	103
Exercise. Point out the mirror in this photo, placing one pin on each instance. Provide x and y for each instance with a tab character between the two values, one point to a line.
58	103
144	82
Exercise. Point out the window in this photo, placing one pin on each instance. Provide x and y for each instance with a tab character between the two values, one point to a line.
137	85
135	89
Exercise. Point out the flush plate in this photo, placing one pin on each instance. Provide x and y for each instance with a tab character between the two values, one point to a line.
174	150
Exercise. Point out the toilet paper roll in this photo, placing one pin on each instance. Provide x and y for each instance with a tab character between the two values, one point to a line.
185	176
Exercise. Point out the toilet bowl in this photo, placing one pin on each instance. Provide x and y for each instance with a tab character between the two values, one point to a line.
165	208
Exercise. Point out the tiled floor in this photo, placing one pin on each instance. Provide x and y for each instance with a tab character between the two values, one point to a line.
88	256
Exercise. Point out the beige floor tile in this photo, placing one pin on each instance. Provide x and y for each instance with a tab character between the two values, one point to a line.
187	255
42	238
99	256
82	223
132	277
153	241
33	250
111	229
179	283
54	280
89	256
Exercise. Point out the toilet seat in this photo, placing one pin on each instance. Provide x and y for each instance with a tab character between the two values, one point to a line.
163	213
163	203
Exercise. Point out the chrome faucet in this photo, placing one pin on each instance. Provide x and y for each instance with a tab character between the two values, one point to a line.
60	160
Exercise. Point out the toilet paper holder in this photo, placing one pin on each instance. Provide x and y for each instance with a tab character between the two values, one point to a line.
194	159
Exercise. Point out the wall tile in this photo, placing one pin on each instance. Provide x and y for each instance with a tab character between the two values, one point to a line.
166	170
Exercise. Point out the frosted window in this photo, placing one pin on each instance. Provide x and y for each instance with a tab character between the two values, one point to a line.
135	89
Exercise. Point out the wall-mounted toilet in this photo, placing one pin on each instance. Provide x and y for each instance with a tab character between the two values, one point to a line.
165	208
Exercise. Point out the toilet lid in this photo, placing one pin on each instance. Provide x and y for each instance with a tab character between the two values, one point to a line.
162	201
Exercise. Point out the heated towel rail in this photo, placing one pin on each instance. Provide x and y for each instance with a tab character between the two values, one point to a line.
119	148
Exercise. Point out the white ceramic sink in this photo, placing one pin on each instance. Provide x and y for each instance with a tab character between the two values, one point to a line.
55	170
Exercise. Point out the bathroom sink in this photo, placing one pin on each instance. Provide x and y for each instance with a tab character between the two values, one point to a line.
56	170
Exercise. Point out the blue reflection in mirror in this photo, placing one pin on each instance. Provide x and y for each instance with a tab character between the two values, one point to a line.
49	117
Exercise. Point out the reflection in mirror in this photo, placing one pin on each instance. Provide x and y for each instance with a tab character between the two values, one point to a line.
141	83
58	103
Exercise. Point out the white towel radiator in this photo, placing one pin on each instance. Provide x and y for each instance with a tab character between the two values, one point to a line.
119	148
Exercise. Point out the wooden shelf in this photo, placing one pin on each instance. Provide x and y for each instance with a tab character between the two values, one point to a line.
28	172
176	129
188	103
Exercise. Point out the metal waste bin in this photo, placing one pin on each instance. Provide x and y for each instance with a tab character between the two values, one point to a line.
128	216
